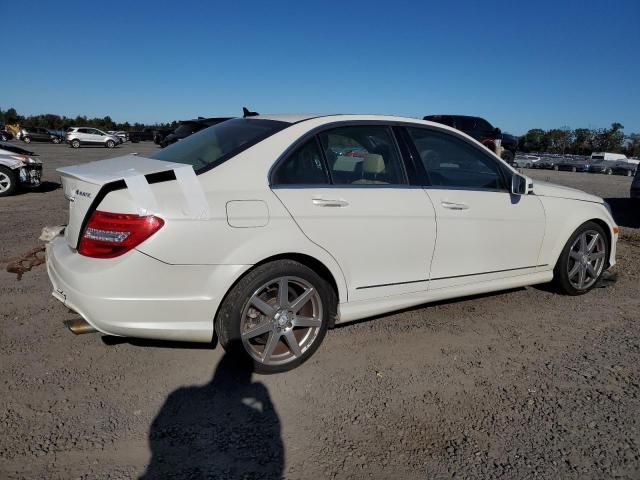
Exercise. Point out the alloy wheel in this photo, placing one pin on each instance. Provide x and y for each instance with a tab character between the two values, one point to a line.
5	182
586	259
281	320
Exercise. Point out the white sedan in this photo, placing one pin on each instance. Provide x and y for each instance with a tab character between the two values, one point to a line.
265	231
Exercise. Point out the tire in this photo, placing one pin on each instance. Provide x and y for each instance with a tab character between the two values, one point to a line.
556	168
56	140
75	143
26	139
629	173
570	259
272	325
8	181
110	144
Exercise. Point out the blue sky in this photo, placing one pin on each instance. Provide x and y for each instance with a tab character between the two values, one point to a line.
519	64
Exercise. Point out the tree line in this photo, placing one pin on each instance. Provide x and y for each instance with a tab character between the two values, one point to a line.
581	141
62	122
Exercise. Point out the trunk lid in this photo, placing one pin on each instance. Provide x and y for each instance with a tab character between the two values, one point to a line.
82	184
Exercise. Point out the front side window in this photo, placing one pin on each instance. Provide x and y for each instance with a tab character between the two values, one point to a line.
303	167
452	162
361	155
213	145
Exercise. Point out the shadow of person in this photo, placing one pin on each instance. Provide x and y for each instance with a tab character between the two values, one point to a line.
226	429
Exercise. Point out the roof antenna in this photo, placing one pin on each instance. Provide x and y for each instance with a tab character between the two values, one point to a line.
247	113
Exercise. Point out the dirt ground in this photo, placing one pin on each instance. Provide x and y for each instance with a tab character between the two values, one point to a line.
518	384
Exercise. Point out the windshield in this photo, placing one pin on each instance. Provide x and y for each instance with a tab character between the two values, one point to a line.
214	145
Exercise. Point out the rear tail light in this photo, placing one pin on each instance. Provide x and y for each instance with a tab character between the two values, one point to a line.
109	235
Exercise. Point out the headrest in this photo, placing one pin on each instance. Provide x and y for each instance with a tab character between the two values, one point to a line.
373	163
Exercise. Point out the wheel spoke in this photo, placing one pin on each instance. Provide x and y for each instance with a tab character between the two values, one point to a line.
591	270
258	330
263	306
307	322
300	302
596	255
270	346
574	270
575	255
283	293
583	243
592	243
581	276
292	341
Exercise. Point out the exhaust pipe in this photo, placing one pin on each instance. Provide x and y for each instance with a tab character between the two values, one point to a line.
79	326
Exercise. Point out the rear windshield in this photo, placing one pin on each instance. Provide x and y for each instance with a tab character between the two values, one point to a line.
212	146
597	157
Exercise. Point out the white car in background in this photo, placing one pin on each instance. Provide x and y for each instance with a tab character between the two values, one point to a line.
265	231
18	168
77	136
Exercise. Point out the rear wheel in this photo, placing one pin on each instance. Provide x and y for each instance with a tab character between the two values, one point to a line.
276	316
8	181
582	260
75	143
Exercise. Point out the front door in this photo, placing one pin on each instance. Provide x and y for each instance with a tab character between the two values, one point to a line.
484	231
348	191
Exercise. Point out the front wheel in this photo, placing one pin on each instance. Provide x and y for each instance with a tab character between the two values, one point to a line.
609	171
276	316
110	144
574	169
582	260
75	143
8	181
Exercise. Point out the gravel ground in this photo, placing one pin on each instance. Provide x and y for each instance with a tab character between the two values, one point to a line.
518	384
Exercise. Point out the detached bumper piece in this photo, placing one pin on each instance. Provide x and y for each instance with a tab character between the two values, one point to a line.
31	175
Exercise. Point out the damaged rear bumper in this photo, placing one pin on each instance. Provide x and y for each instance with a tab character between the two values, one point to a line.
138	296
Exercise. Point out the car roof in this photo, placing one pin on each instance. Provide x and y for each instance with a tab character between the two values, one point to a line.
334	117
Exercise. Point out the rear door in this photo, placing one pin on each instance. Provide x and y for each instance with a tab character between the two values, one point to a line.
348	190
483	230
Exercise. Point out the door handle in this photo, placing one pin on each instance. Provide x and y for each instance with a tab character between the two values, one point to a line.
323	202
454	205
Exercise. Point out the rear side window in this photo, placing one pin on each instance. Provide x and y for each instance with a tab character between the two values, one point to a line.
303	167
214	145
361	155
452	162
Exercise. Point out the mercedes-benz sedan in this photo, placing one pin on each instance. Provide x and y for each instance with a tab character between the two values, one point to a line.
267	230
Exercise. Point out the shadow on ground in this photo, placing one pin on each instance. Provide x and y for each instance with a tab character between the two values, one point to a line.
225	429
626	211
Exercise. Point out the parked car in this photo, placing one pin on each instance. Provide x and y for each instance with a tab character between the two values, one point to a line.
525	161
481	130
634	191
77	136
5	134
545	163
572	165
121	135
189	127
145	135
601	166
624	168
159	135
39	134
18	167
256	231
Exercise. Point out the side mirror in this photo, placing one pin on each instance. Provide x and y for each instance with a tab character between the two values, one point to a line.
521	185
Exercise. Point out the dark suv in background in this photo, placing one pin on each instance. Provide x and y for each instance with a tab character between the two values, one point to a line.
482	131
189	127
39	134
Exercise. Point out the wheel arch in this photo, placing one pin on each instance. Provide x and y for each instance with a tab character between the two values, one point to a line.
608	237
307	260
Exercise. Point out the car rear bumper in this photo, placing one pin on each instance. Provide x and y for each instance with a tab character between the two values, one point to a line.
138	296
